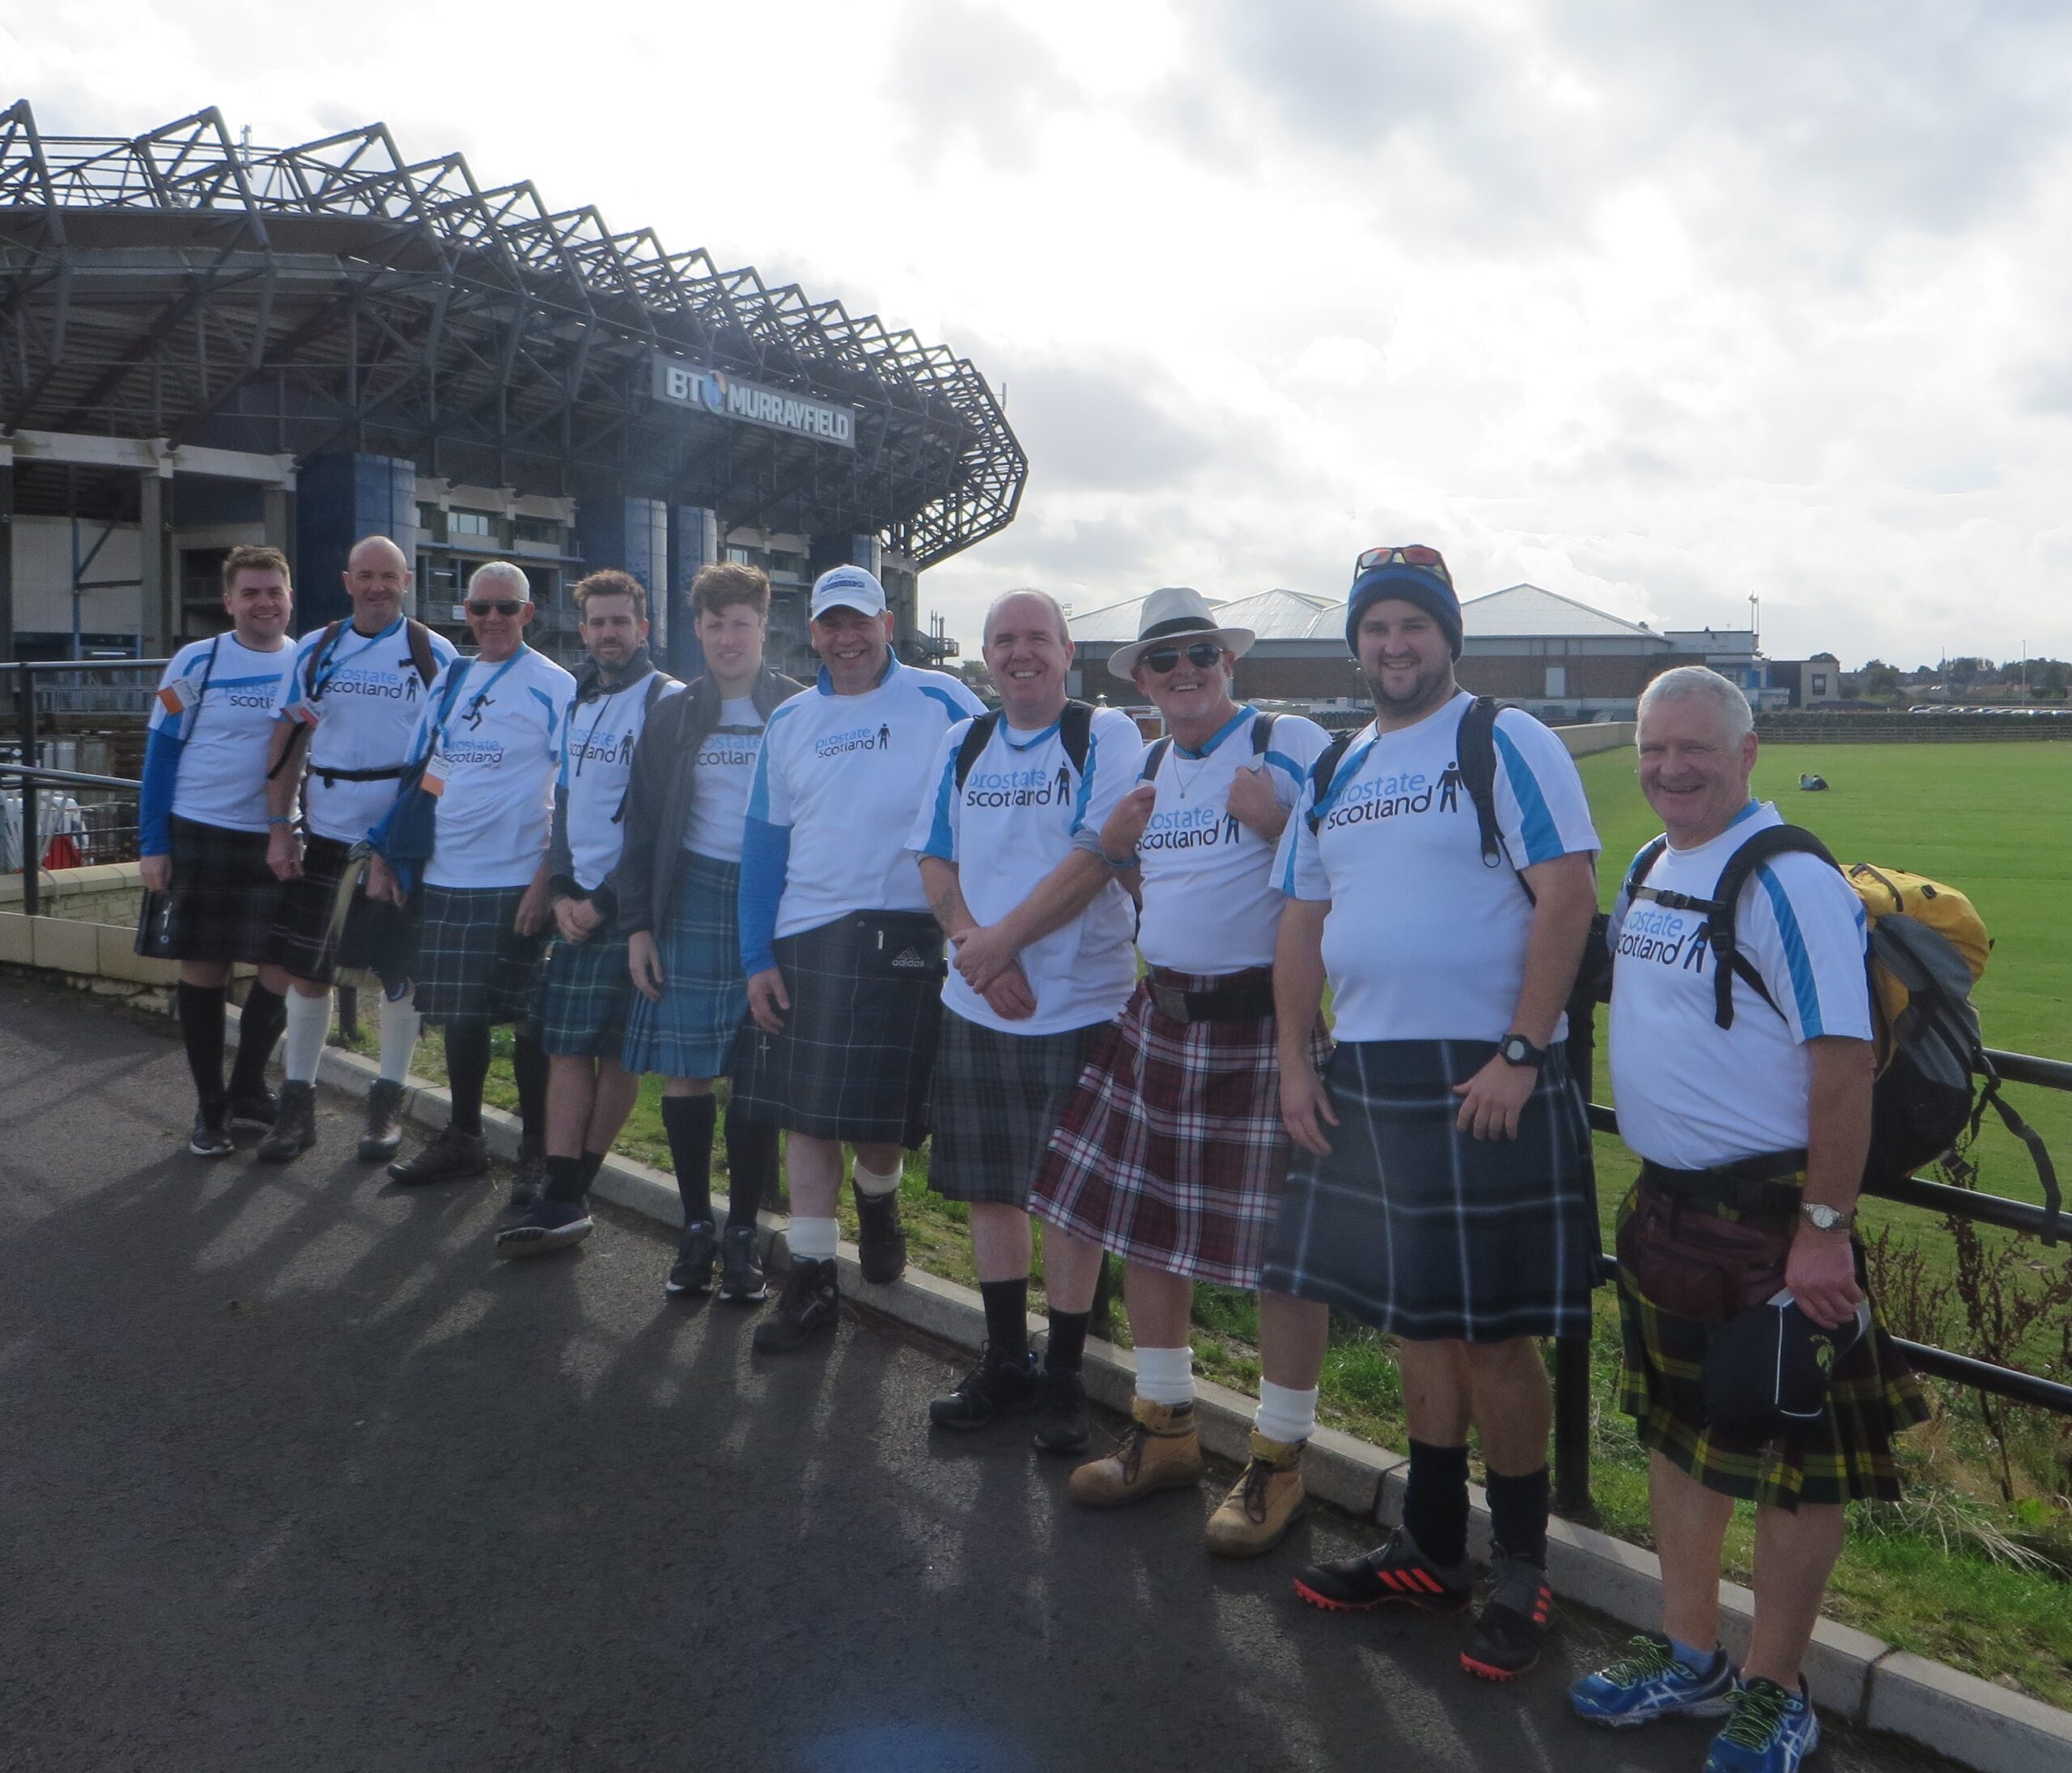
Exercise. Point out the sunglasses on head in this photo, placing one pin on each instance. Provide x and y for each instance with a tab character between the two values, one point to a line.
508	606
1415	555
1201	655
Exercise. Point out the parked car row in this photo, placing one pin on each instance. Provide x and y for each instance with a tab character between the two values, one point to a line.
2002	712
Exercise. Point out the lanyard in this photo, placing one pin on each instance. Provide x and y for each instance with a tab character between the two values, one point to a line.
603	709
453	695
335	662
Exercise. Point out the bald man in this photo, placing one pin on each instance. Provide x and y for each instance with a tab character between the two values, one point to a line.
359	692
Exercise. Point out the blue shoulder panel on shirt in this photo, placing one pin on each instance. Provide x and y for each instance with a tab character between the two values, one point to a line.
1084	798
942	841
1287	766
957	711
1803	990
1542	837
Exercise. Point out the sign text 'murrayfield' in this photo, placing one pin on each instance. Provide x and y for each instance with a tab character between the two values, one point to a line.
680	384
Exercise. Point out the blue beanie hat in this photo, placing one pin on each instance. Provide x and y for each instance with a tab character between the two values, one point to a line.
1418	585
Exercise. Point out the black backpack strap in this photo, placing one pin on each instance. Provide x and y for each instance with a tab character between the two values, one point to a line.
1724	907
1321	773
1644	864
657	686
1076	728
1475	753
977	736
323	651
422	655
1262	733
1153	758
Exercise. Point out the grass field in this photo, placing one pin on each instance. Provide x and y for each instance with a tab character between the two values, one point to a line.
1988	819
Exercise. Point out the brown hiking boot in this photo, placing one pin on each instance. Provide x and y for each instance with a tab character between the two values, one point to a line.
1160	1450
1263	1503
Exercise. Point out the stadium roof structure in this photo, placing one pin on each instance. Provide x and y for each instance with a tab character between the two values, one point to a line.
1272	615
178	285
1528	612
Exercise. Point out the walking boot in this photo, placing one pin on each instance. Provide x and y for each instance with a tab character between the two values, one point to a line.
810	1303
880	1239
383	1137
1263	1503
1160	1450
294	1129
449	1158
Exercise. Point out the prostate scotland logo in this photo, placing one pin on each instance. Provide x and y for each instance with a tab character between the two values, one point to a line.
836	744
1030	787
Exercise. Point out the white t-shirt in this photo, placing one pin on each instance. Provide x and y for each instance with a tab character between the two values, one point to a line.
1691	1095
845	773
368	698
597	742
494	766
1423	940
1209	902
227	728
1013	822
726	766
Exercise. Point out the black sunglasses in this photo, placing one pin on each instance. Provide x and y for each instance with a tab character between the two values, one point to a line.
509	607
1201	655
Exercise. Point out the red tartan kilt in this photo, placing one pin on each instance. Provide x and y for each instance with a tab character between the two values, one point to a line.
1171	1153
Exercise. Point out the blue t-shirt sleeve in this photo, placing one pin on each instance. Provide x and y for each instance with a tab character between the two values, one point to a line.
1541	808
935	826
1803	928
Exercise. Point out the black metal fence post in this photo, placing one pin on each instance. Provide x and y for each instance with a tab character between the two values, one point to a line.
32	836
1572	1497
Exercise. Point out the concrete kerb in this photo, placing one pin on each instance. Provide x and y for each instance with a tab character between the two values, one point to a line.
1848	1672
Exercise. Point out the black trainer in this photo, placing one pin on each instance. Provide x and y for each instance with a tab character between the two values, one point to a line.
810	1303
254	1110
451	1157
692	1271
1511	1626
880	1239
741	1274
991	1389
547	1225
294	1129
210	1137
383	1136
1398	1574
1063	1423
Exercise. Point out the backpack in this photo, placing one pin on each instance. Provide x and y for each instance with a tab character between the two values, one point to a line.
1928	946
1261	738
1074	728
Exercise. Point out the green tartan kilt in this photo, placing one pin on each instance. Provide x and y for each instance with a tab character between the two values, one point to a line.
1844	1456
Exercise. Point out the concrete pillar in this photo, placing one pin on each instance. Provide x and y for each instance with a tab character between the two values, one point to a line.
693	542
338	499
633	535
158	594
6	556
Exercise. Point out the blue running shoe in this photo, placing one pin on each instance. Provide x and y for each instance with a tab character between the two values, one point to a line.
548	1225
1771	1731
1650	1683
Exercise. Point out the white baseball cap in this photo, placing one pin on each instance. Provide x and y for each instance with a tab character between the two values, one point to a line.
848	587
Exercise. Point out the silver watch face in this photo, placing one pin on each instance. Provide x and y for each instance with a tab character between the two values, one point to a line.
1823	1219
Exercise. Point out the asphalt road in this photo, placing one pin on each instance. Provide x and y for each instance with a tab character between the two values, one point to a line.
294	1477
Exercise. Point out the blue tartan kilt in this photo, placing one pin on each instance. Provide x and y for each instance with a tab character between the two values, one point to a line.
691	1032
584	991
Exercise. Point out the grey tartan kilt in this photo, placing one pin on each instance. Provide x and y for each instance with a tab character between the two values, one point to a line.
995	1100
221	903
302	926
1428	1233
585	991
858	1042
471	965
691	1032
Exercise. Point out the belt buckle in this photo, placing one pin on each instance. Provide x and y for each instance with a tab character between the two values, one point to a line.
1169	1001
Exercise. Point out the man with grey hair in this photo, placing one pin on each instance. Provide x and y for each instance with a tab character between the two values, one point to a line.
490	743
1041	930
1750	1108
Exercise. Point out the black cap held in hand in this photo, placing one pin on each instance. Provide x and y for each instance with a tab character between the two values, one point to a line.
1768	1371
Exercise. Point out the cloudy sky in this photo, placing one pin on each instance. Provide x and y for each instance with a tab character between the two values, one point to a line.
1656	306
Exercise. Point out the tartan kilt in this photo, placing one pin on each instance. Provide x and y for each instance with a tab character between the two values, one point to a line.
300	941
1428	1232
853	1059
584	987
997	1099
471	965
691	1033
221	903
1844	1456
1172	1152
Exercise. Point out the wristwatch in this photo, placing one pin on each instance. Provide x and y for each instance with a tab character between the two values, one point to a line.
1827	1219
1516	1049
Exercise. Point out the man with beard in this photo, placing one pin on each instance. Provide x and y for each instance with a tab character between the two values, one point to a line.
584	991
1444	1193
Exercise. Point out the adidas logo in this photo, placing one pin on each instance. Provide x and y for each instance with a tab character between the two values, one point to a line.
910	957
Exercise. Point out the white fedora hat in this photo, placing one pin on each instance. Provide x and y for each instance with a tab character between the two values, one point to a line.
1177	614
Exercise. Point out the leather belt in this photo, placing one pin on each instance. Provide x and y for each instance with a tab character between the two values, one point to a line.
1235	997
1754	1185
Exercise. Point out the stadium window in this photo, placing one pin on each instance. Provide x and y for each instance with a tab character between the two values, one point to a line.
740	556
470	523
543	529
1557	681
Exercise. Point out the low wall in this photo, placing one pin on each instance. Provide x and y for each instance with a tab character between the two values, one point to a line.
85	934
1605	735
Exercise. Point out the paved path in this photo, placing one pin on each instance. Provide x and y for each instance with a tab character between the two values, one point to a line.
293	1478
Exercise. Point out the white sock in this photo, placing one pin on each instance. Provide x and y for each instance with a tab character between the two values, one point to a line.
1285	1414
1165	1376
869	1182
813	1240
399	1036
309	1020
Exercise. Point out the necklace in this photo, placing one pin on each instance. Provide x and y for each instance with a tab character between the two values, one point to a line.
1181	780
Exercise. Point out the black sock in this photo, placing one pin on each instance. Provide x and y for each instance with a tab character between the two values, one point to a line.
201	1008
467	1067
1067	1347
529	1071
1517	1514
259	1025
565	1180
689	1121
592	1162
1435	1509
751	1166
1007	1319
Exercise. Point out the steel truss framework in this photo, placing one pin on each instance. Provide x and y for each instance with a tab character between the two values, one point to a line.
331	296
